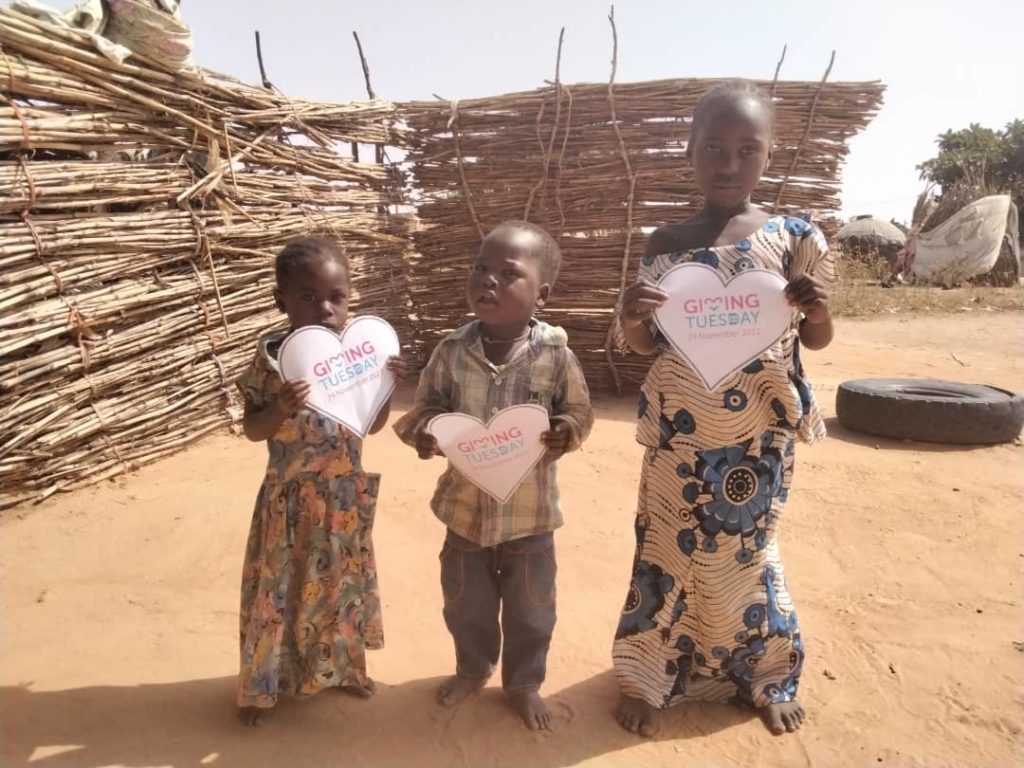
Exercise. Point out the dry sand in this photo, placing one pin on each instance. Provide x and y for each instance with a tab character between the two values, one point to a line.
120	603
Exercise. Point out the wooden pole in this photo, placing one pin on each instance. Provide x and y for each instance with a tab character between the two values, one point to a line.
775	78
624	266
378	150
259	58
807	133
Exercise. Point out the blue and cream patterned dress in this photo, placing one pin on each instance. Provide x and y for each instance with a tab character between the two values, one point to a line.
708	614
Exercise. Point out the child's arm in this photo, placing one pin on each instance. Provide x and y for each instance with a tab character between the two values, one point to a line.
811	297
638	305
398	367
432	398
572	417
812	273
260	424
641	299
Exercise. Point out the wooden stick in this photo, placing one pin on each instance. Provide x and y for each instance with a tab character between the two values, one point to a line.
624	266
259	58
366	67
778	67
378	149
453	124
543	180
561	160
807	132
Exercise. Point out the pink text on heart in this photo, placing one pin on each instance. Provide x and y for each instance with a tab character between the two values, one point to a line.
498	445
738	310
354	366
727	302
345	357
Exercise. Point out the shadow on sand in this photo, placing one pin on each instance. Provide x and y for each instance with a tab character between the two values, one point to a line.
193	723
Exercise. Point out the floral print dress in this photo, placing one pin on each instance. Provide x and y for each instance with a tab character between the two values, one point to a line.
310	605
708	614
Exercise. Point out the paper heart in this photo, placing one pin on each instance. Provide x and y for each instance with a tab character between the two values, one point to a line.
495	456
720	326
347	372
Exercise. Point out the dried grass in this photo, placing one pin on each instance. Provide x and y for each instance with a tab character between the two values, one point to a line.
862	292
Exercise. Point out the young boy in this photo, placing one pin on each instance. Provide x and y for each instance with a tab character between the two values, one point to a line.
501	557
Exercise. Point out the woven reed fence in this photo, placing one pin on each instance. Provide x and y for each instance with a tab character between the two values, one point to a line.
140	210
598	166
139	214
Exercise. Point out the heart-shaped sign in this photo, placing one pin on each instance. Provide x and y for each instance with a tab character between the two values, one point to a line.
495	456
720	326
347	372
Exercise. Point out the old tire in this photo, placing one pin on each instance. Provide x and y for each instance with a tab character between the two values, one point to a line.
930	411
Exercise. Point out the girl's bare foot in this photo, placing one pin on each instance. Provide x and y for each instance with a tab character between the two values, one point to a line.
783	717
250	715
455	689
531	707
637	716
363	691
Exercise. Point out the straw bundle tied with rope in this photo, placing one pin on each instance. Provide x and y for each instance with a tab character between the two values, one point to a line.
140	210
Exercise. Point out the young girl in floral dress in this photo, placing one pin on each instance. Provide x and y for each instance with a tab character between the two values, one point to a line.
310	604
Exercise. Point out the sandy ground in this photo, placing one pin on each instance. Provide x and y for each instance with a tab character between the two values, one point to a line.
905	560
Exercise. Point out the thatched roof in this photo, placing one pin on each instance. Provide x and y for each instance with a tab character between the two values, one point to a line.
868	232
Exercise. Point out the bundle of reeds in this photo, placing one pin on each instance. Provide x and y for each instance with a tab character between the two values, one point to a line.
599	166
140	210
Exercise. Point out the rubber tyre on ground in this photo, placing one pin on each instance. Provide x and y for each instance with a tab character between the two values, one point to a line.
930	411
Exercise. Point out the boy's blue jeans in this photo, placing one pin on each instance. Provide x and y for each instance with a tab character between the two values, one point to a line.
517	580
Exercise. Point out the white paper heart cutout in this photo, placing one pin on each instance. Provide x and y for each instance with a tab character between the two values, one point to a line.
718	326
348	379
495	456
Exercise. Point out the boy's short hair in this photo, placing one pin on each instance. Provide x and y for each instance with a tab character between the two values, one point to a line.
547	251
730	89
302	252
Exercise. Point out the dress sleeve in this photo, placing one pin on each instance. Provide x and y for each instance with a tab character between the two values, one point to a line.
810	253
258	384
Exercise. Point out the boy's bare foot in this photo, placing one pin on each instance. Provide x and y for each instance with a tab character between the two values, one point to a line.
456	688
637	716
250	715
364	691
532	709
783	717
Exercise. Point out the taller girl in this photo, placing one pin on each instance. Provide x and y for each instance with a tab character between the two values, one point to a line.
708	614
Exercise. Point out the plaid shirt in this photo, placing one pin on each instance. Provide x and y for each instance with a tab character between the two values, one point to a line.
459	378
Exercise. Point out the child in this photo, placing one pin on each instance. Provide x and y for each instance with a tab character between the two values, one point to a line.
310	605
501	556
708	614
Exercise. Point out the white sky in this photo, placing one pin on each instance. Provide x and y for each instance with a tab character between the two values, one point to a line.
947	63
